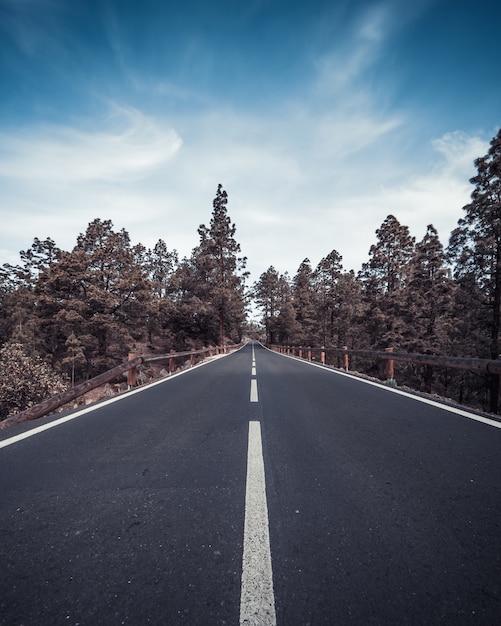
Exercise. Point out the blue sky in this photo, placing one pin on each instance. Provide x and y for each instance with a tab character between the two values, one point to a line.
319	118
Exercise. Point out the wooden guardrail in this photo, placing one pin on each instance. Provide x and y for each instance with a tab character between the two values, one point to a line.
490	366
130	366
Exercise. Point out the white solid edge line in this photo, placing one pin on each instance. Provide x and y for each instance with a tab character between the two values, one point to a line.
257	599
39	429
400	392
253	391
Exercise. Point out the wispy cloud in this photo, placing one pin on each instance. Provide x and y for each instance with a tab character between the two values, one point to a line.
319	169
355	51
33	25
434	193
130	146
299	184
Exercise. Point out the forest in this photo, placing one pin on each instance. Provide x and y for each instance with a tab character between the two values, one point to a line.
66	316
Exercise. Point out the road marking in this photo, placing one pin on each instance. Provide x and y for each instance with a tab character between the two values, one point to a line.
253	370
400	392
253	391
62	420
257	599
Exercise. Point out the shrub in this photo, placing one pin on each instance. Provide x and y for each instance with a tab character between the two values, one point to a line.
25	381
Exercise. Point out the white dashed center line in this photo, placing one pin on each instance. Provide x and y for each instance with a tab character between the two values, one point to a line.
257	599
253	391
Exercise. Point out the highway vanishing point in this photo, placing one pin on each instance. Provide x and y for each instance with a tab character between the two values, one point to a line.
252	489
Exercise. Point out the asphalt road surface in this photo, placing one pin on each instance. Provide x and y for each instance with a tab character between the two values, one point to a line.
254	489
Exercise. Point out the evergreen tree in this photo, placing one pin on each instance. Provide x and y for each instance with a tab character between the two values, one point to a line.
429	296
98	292
388	267
288	329
348	311
384	278
429	303
273	295
266	292
41	255
220	269
475	247
326	279
18	308
161	263
189	315
75	355
306	304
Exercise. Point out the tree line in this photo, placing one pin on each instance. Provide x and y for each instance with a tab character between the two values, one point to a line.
68	315
414	296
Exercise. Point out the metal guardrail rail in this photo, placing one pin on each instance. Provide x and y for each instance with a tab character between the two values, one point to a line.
130	366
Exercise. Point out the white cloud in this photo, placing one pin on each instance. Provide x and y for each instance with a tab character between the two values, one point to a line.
358	48
432	196
130	147
319	171
299	184
459	151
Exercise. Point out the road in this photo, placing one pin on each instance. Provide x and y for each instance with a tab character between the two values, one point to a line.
252	489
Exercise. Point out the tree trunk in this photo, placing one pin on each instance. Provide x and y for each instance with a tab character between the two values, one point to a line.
221	327
428	378
494	378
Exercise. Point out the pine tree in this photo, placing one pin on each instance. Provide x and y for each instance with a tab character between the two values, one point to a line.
75	355
388	267
189	314
384	278
306	304
266	292
288	329
429	303
161	263
326	279
41	255
18	309
97	291
221	270
273	295
429	296
475	247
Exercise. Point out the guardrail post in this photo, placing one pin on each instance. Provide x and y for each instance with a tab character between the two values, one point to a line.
309	354
192	359
390	368
132	373
300	352
171	363
322	355
345	359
